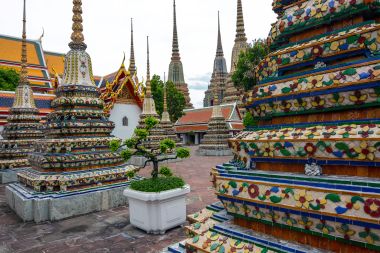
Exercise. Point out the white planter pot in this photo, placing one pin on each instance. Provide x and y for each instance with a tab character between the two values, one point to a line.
157	212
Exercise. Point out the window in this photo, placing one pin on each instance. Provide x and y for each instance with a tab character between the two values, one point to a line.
125	121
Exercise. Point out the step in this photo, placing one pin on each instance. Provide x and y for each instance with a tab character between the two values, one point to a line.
176	248
227	237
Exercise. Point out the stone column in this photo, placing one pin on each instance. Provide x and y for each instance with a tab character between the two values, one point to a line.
196	139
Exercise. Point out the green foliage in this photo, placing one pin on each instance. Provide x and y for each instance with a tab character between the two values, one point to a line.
131	174
167	145
249	120
141	134
150	122
126	154
9	79
245	74
183	153
114	145
130	143
177	100
166	172
159	184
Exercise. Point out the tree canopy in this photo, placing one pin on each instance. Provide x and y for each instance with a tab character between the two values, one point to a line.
9	79
135	146
176	100
245	74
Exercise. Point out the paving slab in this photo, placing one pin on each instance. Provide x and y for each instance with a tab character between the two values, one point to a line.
106	231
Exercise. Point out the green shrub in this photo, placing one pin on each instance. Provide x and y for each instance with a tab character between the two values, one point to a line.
165	171
159	184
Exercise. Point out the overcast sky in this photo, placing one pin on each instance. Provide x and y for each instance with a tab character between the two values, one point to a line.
107	31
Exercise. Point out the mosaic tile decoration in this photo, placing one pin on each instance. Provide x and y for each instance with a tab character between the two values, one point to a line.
335	207
365	72
345	142
310	13
232	238
352	39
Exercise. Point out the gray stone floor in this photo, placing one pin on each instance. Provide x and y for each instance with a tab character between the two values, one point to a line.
107	231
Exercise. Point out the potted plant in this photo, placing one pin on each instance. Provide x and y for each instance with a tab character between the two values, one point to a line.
156	204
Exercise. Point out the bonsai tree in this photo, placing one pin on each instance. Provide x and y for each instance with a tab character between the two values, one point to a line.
166	150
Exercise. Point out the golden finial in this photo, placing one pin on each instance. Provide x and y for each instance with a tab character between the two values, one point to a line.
77	38
122	63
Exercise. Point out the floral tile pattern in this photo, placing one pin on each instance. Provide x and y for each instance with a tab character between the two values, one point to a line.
358	38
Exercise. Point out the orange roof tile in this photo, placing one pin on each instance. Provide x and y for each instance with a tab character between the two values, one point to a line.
203	115
56	61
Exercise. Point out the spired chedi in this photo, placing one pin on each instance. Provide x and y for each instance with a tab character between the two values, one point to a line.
231	94
23	126
166	123
157	133
176	68
306	178
74	160
215	142
219	75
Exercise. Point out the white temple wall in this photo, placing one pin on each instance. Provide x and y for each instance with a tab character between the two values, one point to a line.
119	111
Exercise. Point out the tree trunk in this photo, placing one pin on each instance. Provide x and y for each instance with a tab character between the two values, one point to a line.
155	169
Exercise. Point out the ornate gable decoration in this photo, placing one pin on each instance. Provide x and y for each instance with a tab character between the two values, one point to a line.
124	88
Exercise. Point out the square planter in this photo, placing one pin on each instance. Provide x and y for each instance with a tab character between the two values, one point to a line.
157	212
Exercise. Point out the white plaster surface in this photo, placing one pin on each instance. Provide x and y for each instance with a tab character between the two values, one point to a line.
132	112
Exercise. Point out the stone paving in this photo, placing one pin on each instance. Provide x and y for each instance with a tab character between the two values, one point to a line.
107	231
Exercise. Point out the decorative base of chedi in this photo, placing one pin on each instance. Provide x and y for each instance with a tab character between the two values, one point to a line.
38	207
214	152
157	212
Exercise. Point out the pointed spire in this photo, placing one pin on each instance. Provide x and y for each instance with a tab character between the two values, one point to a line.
77	38
175	46
165	98
219	50
132	63
24	59
148	87
240	30
24	93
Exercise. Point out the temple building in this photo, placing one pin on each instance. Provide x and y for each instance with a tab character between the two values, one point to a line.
73	171
218	81
231	94
305	176
215	142
176	68
23	126
194	124
123	96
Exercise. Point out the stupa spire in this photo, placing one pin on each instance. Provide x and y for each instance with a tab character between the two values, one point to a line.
132	63
219	50
24	94
165	113
77	38
148	87
24	59
175	45
240	30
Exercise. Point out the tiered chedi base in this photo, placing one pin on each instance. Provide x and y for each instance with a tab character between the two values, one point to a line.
215	142
23	128
76	152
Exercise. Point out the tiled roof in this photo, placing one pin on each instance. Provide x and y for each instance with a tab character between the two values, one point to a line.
38	74
56	61
196	120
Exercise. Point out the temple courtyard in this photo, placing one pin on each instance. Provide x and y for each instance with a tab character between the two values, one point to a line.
107	231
